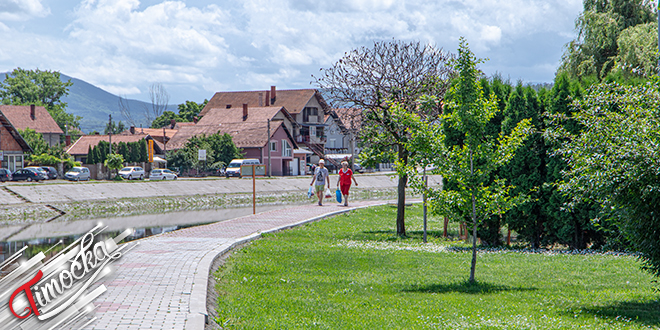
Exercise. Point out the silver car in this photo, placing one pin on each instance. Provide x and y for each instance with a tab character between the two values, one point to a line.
132	172
77	174
162	174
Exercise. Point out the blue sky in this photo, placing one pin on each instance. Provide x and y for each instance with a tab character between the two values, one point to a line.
195	48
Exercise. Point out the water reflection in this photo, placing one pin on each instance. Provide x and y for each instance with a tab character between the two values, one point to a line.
54	236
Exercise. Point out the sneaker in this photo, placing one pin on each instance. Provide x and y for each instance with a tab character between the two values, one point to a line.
345	203
320	204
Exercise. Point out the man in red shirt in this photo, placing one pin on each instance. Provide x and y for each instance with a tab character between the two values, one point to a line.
344	182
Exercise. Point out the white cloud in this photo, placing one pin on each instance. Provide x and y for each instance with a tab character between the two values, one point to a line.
125	45
20	10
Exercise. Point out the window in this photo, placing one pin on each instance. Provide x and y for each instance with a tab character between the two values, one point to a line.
286	149
273	145
312	131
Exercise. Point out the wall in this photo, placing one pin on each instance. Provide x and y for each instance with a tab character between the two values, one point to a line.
7	142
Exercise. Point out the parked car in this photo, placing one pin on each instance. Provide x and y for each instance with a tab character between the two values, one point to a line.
5	175
234	167
162	174
358	168
52	172
132	172
27	174
41	171
77	174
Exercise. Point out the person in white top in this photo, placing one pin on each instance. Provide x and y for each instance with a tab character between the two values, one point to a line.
321	176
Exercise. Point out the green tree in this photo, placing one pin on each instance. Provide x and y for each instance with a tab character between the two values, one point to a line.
187	112
114	128
614	162
638	50
35	141
24	87
122	149
114	162
526	172
469	167
90	155
594	51
220	149
376	79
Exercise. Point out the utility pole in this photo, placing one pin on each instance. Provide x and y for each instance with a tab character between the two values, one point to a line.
426	184
110	132
270	171
164	144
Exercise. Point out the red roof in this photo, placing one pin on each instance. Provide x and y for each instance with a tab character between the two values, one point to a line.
81	146
244	134
294	100
20	116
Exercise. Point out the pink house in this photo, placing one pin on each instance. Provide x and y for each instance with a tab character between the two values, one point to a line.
250	128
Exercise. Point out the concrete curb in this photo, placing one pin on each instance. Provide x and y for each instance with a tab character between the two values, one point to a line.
198	317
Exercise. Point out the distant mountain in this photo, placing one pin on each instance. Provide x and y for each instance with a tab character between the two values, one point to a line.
94	105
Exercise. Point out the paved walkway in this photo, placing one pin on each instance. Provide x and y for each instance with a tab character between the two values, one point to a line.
162	283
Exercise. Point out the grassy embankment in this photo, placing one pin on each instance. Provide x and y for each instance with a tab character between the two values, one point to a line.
352	272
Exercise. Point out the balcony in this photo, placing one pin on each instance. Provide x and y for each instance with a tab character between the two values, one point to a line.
311	139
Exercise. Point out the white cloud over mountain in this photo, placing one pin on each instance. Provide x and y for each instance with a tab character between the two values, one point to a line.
198	47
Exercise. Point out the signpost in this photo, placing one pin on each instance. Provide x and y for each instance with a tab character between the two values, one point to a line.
254	171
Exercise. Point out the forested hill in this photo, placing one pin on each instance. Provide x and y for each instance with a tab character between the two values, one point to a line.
94	104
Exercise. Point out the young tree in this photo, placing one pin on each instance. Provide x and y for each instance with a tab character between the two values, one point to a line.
374	80
114	162
614	162
470	165
24	87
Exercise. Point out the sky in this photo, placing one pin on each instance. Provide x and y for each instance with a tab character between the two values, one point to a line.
198	47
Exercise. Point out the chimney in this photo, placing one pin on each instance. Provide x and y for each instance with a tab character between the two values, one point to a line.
261	99
32	111
245	111
273	97
132	129
267	98
195	119
172	123
67	140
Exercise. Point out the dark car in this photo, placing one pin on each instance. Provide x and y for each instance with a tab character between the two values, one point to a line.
5	175
52	172
27	175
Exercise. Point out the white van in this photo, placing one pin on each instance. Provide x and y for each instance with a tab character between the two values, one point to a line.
234	167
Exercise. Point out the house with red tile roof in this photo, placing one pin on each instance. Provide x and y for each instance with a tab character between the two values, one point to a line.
306	106
249	128
33	117
12	146
80	148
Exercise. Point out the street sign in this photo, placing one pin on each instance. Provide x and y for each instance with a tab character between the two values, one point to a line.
259	170
201	154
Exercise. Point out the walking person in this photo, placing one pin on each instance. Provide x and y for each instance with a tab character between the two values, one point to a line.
344	181
321	176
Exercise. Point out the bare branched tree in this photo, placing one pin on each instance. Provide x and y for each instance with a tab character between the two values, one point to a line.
377	78
159	100
125	110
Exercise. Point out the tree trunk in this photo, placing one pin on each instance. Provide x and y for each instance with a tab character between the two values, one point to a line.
473	266
401	206
401	195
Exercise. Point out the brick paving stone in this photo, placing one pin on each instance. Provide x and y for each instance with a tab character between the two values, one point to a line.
152	284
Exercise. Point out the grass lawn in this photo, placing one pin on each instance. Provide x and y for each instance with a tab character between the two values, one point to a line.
352	272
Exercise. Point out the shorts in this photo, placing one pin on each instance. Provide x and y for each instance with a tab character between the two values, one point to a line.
344	188
318	188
